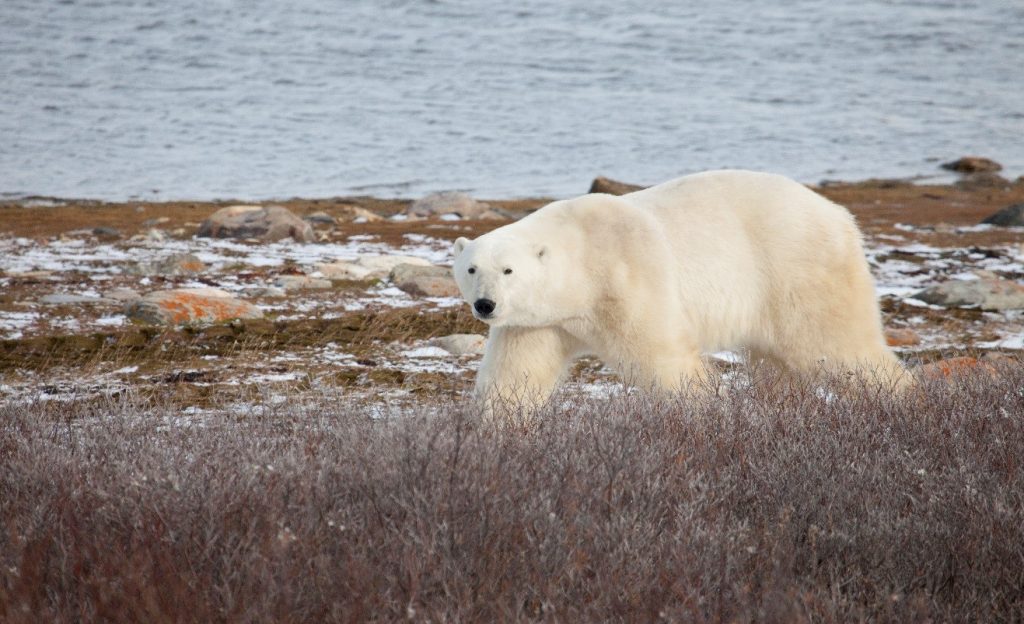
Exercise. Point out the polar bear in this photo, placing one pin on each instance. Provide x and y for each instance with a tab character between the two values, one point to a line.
650	280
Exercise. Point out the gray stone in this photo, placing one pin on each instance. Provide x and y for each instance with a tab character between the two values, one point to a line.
190	305
993	294
448	202
366	267
1008	217
266	223
68	299
175	264
461	344
301	282
122	294
425	281
106	232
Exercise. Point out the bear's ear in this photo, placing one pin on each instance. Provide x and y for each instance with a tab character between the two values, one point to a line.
460	244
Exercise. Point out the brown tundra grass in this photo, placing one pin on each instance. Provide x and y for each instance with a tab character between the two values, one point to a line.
768	504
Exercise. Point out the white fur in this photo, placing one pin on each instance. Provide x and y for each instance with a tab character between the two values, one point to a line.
650	280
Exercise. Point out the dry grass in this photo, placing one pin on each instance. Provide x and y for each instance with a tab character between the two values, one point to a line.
356	331
770	504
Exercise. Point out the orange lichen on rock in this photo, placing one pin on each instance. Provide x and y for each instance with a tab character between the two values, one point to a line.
902	337
190	305
955	367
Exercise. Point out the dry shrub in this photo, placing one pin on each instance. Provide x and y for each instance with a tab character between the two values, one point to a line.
769	504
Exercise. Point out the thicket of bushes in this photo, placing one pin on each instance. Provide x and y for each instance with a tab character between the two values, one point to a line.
768	504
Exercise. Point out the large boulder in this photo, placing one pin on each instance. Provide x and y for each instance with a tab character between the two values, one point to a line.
190	305
425	281
448	202
973	164
608	186
267	223
990	293
366	267
1007	217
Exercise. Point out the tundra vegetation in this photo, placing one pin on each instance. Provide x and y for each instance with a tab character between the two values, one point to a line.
320	462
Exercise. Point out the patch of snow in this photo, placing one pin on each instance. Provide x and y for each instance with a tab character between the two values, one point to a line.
425	352
1008	342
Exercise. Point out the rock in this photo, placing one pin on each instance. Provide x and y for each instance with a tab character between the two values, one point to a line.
153	235
190	305
988	293
67	299
496	214
148	223
1010	216
901	337
122	294
267	223
602	184
106	232
176	264
425	281
461	344
359	215
448	202
268	291
954	367
972	164
979	181
320	218
301	282
366	267
30	276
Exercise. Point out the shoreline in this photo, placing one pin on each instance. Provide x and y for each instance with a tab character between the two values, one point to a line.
64	329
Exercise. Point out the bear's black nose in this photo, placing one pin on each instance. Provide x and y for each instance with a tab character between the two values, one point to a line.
484	307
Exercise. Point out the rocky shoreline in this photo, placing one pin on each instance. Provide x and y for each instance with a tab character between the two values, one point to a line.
206	302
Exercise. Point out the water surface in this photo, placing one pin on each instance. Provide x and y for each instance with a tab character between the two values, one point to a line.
212	99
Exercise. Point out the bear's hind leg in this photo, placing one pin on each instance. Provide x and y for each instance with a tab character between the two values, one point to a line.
521	368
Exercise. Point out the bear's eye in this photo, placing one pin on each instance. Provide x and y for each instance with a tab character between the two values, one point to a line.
508	271
472	269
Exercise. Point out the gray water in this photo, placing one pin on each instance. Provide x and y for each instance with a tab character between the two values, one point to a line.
205	99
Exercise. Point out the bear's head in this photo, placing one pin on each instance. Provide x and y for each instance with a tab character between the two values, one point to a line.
504	279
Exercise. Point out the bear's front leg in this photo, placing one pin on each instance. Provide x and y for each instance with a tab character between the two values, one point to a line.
521	368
